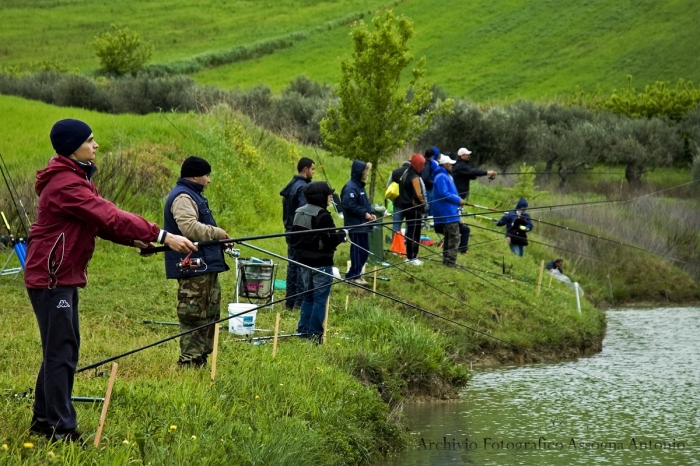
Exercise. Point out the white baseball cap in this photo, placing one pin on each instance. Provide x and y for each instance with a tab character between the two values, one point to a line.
464	151
445	159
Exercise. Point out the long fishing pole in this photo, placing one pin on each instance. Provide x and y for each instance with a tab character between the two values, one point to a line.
425	311
14	202
172	337
335	200
16	195
619	243
426	283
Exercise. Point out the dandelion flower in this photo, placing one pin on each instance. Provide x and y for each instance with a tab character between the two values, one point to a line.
125	442
194	437
257	396
28	445
281	385
5	447
173	427
51	455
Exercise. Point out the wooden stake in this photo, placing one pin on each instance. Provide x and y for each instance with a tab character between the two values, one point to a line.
215	352
325	321
105	405
375	279
347	302
551	275
274	340
539	280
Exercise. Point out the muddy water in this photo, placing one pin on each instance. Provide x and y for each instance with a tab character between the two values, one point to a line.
637	402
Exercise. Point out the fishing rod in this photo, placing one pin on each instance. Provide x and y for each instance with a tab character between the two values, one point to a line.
160	112
620	243
425	311
426	283
13	197
557	173
16	194
187	332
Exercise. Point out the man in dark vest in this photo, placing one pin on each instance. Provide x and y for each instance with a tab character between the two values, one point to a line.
315	251
292	199
187	213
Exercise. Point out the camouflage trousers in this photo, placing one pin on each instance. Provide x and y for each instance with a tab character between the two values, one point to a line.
450	244
198	303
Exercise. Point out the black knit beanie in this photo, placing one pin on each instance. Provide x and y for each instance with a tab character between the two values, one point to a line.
68	135
194	166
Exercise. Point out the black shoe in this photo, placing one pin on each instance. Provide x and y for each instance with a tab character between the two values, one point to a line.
200	362
72	436
40	428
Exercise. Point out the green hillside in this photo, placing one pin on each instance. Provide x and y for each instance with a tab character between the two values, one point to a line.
479	49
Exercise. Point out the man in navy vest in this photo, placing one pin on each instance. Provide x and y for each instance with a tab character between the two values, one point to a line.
187	213
292	199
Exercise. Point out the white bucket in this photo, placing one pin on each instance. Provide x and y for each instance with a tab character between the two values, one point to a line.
244	324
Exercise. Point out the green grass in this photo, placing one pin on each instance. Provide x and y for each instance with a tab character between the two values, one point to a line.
334	404
479	49
537	50
46	30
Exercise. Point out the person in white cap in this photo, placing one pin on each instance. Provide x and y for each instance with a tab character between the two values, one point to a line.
463	173
446	209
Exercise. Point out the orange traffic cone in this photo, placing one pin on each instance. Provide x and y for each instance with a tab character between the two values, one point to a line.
398	245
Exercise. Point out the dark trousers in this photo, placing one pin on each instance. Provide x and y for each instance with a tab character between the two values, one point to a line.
56	313
358	255
464	232
295	284
313	309
413	226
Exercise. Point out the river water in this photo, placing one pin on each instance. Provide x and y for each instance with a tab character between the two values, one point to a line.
636	402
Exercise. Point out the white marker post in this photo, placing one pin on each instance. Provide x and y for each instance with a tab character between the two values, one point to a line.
578	300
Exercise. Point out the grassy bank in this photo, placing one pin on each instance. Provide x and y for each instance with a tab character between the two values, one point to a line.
335	404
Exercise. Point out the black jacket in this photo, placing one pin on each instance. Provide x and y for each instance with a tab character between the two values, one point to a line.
315	249
463	173
354	198
396	174
292	199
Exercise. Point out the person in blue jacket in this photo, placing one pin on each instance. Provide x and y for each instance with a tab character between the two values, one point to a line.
357	210
517	223
446	209
428	173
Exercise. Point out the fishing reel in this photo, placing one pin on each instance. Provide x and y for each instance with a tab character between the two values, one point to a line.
190	264
232	252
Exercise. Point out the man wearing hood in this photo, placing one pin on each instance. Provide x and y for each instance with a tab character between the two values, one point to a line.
70	215
315	251
356	211
517	223
187	213
396	175
412	202
428	174
446	210
292	199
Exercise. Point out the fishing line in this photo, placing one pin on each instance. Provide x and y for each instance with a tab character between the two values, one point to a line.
160	112
14	201
426	283
418	308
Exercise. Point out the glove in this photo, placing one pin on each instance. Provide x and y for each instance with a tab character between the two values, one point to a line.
347	236
523	228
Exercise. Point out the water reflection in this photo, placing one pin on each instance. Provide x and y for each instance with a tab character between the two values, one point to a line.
636	402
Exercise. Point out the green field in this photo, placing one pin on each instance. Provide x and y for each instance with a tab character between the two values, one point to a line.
478	49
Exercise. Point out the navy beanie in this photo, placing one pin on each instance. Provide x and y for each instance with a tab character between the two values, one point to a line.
194	166
68	135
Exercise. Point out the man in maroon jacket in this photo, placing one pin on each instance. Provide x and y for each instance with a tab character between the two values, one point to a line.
70	214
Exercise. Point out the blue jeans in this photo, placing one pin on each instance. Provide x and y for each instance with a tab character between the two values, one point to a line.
358	255
295	284
517	249
313	306
397	217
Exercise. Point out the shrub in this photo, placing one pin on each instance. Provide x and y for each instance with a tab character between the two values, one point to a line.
74	90
121	51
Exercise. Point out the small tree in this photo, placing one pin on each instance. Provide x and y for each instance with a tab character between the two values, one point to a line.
121	51
375	116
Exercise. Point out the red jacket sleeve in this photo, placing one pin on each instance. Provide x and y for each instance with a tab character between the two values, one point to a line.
112	223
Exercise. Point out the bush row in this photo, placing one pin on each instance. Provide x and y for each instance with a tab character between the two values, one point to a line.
562	138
